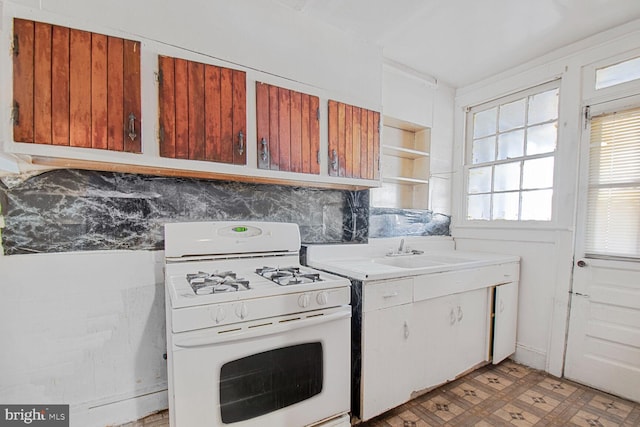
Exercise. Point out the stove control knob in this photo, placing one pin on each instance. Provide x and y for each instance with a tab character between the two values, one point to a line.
322	298
242	311
221	313
304	300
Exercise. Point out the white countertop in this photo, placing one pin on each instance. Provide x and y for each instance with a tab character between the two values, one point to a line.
370	262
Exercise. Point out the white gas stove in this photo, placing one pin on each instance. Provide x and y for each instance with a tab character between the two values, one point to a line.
240	310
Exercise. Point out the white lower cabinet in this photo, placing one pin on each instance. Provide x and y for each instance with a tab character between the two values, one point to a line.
413	344
453	336
386	381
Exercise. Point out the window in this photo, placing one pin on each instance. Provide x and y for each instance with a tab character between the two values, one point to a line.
511	146
613	201
622	72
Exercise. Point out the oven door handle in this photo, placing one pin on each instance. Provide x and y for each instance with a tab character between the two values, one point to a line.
208	337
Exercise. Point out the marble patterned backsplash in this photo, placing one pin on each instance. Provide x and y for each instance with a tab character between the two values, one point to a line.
390	222
75	210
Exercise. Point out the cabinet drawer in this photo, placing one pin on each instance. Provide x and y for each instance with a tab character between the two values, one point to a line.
387	294
451	282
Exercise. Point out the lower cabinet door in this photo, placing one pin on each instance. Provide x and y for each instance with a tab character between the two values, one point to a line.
387	367
472	329
505	321
453	338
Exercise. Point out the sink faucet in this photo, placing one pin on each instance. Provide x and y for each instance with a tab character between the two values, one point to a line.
401	248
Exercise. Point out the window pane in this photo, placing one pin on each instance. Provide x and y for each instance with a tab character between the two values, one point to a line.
505	206
484	123
543	107
536	205
613	205
542	139
511	145
484	150
617	74
479	206
538	173
480	180
512	115
612	222
507	177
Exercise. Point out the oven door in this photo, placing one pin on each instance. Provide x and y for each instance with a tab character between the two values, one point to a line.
288	371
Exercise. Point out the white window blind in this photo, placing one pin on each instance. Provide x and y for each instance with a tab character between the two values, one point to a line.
613	205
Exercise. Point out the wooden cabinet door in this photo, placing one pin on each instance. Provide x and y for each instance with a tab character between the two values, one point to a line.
75	88
288	129
202	111
354	141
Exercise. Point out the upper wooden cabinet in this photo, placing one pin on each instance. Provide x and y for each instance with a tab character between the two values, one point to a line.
75	88
288	130
354	141
202	111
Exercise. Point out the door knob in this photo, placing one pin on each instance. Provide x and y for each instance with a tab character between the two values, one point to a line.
581	263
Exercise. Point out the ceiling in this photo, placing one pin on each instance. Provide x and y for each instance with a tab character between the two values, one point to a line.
463	41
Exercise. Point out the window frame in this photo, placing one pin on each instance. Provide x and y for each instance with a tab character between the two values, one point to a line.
591	95
467	159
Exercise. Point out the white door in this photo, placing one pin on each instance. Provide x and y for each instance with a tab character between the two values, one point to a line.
603	345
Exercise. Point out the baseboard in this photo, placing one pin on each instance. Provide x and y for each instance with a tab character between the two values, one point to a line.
121	412
532	357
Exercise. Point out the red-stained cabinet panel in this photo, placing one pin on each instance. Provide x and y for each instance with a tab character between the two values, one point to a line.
75	88
202	111
354	141
288	129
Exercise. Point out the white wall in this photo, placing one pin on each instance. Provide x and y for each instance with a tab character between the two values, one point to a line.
547	249
85	329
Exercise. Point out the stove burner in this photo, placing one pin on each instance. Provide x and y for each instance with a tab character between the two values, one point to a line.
288	275
216	282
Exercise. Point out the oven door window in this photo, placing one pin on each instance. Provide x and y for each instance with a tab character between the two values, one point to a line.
266	382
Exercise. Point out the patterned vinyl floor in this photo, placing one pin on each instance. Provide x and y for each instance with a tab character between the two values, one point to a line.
508	394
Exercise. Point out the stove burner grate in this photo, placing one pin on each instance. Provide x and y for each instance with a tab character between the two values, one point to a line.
288	275
204	283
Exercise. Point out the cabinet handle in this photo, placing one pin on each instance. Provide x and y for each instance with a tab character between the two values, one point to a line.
265	150
240	143
501	306
406	330
391	295
452	317
15	113
132	127
460	314
334	160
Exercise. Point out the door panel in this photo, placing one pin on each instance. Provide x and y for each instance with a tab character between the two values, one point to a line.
505	322
288	136
354	141
202	111
603	348
75	88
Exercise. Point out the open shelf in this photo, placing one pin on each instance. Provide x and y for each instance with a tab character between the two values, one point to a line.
407	153
405	166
